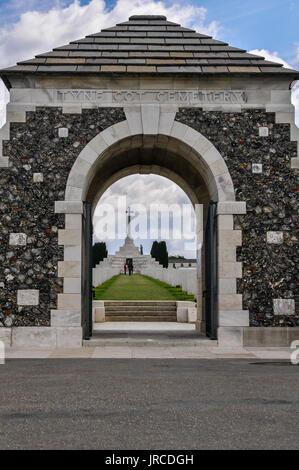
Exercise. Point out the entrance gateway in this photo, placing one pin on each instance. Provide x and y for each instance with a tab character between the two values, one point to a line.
149	96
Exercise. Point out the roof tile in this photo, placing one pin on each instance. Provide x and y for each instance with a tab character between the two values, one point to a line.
148	44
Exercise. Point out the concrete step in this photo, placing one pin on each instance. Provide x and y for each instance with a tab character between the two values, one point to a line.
139	308
141	314
198	342
138	303
141	318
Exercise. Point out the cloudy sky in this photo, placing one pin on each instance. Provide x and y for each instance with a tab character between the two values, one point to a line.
265	27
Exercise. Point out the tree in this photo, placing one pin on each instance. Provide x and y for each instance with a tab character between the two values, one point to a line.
163	254
155	250
99	252
160	253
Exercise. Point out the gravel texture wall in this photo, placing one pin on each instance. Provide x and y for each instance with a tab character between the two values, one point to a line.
262	176
40	162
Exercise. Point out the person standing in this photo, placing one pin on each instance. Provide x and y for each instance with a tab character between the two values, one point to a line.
130	267
125	269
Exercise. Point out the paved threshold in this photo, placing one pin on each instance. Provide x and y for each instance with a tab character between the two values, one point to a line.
144	352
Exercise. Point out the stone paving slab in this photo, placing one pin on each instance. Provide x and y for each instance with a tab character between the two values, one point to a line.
129	351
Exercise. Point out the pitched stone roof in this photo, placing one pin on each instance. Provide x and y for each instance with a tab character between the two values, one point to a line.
148	44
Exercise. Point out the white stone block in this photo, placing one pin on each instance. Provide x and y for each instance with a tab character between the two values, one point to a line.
295	163
69	237
77	180
230	337
2	285
99	314
150	115
69	301
263	131
280	96
191	137
65	317
69	337
16	116
219	167
192	314
275	237
211	156
166	123
5	337
227	252
230	270
73	194
225	187
233	318
98	145
257	168
37	336
38	177
5	131
63	132
225	222
133	116
230	302
284	117
284	306
69	269
182	306
294	132
231	207
72	109
280	108
122	130
202	145
18	239
81	167
72	253
110	136
73	221
4	162
230	237
227	286
68	207
72	285
28	297
182	315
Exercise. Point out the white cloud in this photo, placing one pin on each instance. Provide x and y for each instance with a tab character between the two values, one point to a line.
274	57
271	56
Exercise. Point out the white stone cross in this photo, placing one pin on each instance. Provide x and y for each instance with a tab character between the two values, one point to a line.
129	212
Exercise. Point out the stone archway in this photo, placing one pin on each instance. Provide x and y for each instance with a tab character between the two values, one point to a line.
186	157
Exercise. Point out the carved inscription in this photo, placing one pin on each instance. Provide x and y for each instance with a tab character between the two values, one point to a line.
152	96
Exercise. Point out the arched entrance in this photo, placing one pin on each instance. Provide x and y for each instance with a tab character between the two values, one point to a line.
174	150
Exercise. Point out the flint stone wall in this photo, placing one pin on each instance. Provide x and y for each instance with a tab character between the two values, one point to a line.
27	205
270	262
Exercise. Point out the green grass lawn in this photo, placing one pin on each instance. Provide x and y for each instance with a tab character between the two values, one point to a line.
138	287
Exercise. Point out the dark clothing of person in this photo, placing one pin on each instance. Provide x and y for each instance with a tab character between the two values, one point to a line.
130	269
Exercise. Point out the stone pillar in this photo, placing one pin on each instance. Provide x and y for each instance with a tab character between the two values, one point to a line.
231	318
200	322
67	318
